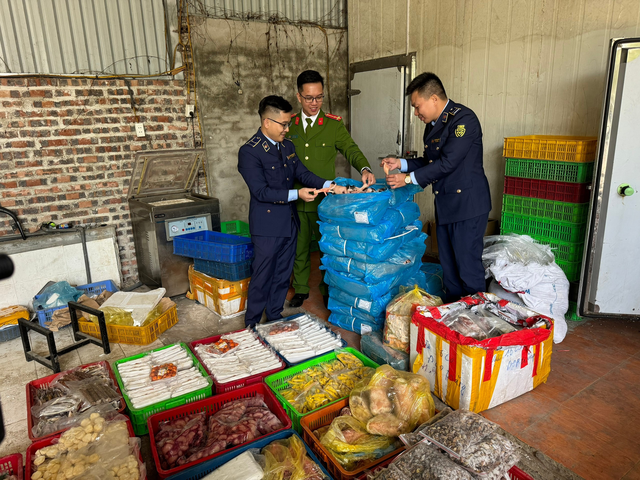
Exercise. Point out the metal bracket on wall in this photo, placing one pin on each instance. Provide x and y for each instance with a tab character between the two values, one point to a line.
52	360
397	61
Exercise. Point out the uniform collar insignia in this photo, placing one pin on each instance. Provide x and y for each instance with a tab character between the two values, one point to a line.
265	145
320	121
297	120
445	117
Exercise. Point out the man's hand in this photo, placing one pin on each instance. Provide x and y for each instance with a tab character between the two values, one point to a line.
307	194
390	163
368	178
396	180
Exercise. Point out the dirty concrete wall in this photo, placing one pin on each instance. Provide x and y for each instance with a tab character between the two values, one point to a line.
238	63
524	66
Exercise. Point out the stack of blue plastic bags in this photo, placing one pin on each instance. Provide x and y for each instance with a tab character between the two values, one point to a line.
372	244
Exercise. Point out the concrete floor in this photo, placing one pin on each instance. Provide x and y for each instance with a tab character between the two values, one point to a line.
583	418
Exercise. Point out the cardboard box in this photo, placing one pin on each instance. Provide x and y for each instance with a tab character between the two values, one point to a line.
220	296
493	228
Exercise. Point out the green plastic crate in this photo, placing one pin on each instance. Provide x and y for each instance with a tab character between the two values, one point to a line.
235	227
570	269
542	228
549	170
139	416
551	209
279	381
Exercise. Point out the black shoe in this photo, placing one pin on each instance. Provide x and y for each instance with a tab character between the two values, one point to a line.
297	299
325	300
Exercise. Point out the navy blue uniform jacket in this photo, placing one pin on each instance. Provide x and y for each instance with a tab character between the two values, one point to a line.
270	174
452	164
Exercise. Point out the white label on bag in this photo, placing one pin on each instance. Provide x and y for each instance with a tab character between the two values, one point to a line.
364	305
200	296
223	291
365	329
361	217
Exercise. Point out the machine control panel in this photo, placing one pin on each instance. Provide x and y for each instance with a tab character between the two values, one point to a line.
182	226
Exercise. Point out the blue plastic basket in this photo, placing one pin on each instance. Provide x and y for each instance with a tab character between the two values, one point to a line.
90	289
226	271
9	333
213	246
285	319
199	471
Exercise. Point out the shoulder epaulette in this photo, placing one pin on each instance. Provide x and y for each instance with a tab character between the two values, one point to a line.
454	110
285	138
294	114
254	141
333	117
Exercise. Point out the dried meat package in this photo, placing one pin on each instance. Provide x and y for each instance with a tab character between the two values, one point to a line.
398	318
460	431
427	462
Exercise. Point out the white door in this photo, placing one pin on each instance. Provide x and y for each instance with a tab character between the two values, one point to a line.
378	111
610	285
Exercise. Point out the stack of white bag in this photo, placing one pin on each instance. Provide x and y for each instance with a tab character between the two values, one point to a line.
528	270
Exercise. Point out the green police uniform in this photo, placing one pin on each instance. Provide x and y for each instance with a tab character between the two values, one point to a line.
317	149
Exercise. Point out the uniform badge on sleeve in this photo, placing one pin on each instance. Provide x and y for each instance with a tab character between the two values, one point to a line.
460	131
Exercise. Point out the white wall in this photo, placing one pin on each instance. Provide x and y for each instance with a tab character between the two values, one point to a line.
524	66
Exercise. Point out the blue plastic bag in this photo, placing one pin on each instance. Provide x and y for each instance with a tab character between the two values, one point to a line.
373	307
337	307
363	208
56	295
354	324
393	219
408	254
434	278
371	252
358	288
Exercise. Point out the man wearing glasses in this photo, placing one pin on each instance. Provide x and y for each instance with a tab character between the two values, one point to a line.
270	168
318	137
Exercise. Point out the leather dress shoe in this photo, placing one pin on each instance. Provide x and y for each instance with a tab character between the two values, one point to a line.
298	299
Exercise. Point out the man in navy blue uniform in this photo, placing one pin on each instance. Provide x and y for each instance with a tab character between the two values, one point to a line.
452	165
270	167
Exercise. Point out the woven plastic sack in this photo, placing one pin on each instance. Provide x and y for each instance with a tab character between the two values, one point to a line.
338	307
353	324
398	318
394	219
358	288
374	307
363	208
408	254
392	402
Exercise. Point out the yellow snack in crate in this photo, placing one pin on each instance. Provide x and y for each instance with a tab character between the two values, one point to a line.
349	360
318	374
299	381
332	366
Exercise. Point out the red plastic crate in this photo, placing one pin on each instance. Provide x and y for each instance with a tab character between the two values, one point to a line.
211	405
548	190
233	385
45	382
45	442
12	464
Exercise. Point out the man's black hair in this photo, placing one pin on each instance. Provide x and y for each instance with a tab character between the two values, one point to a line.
427	84
273	104
309	76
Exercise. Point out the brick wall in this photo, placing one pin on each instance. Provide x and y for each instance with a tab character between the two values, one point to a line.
67	148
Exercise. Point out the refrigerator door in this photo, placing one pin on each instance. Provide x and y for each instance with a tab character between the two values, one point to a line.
610	282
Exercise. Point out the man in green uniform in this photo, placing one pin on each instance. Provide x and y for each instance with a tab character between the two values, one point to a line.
318	137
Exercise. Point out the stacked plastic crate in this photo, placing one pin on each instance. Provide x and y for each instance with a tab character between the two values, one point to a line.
547	189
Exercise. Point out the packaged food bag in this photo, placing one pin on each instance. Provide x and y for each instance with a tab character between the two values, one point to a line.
392	402
398	318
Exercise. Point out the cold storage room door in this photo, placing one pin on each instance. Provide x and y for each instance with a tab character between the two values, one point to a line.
610	283
379	115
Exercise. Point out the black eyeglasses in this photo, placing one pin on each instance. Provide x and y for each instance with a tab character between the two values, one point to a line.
284	125
318	99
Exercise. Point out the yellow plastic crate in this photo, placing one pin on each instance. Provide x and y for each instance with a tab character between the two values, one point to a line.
10	315
133	335
551	147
